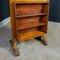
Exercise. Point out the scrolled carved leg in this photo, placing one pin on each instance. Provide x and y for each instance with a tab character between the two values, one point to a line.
14	48
42	38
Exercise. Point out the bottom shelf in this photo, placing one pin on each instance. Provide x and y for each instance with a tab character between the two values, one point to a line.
29	35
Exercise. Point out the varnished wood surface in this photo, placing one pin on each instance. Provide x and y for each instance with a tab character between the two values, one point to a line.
31	1
45	19
29	35
24	23
26	10
31	15
21	15
29	19
12	19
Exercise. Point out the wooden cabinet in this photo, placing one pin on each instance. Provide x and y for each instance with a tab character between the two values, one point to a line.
28	20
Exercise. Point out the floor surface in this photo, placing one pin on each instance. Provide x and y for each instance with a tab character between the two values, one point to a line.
32	49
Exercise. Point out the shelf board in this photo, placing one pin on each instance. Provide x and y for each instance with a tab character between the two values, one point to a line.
31	15
30	35
19	2
40	24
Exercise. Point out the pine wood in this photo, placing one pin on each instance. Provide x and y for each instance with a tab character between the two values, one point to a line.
29	20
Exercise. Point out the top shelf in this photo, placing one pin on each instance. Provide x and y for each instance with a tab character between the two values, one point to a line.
31	1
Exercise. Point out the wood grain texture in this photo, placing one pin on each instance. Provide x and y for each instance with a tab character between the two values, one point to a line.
26	16
29	35
27	9
29	20
13	22
31	1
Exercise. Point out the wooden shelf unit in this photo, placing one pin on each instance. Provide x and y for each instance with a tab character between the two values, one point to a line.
29	19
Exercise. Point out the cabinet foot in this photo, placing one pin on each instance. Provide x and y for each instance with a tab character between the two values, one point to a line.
42	38
14	48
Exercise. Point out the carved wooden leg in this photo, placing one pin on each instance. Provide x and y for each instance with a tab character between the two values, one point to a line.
43	40
14	48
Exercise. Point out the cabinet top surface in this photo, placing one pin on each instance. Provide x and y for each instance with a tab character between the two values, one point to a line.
31	1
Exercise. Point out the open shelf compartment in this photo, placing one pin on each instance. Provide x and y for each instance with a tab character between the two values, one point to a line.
29	35
23	23
26	10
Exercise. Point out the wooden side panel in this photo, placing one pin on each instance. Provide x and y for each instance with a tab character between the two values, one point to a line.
45	19
45	7
12	15
43	28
